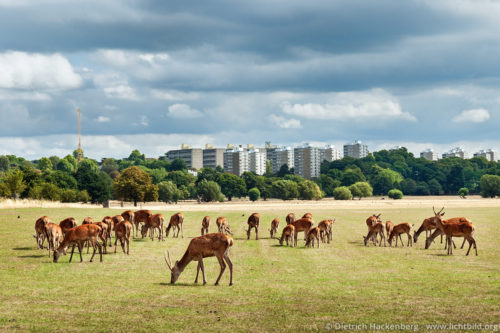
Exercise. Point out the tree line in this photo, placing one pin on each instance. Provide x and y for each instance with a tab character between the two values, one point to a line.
138	179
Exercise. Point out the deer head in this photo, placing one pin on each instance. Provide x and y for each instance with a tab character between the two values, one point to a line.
175	270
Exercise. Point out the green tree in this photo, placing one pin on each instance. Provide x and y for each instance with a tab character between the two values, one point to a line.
385	180
54	160
209	190
463	192
309	190
61	179
14	182
435	187
254	194
327	184
158	175
490	186
4	163
136	157
409	186
109	165
45	164
361	190
83	196
65	166
208	174
96	183
395	194
351	176
232	185
135	185
50	192
69	195
178	164
285	189
342	193
283	171
168	192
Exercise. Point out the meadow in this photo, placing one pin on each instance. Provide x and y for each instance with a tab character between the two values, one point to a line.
276	288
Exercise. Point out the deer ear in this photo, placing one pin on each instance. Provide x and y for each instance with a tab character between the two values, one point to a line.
442	214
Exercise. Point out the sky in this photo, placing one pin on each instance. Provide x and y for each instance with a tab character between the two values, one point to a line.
151	75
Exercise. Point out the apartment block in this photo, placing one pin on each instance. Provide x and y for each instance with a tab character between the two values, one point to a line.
429	154
192	156
280	156
489	154
307	161
330	153
456	152
356	149
213	157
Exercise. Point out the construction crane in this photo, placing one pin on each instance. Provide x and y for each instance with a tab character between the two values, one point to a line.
80	154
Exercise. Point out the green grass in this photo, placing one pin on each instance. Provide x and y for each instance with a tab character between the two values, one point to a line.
275	288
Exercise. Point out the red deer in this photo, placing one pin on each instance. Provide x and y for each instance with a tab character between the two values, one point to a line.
325	228
200	247
176	221
274	227
109	222
428	225
41	231
398	230
122	233
288	234
54	234
455	229
77	236
372	220
313	236
388	227
376	229
154	222
140	216
307	216
290	218
128	215
104	235
301	225
117	219
222	225
253	222
67	224
87	220
205	224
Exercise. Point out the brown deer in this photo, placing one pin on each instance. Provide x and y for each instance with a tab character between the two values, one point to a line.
427	225
223	226
313	236
397	231
274	227
375	229
140	216
372	220
109	222
55	235
388	227
253	222
88	220
205	224
155	221
455	229
41	231
290	218
128	215
300	225
78	236
288	234
325	228
307	216
67	224
176	221
104	235
122	233
208	245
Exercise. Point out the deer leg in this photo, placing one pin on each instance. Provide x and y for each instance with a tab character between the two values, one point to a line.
441	238
450	249
203	271
127	240
99	246
80	248
230	264
116	240
256	232
72	250
197	272
182	231
410	240
93	253
463	244
222	268
122	244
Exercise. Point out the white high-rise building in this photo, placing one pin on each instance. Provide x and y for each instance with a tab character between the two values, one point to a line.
307	161
236	161
257	160
356	149
429	154
489	154
456	152
330	153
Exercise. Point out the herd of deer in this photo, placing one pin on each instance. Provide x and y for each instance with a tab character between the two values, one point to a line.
454	227
69	233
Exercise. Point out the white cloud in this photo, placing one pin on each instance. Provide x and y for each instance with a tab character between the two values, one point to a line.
6	94
102	119
282	122
21	70
183	111
472	116
121	91
115	85
173	95
144	121
350	106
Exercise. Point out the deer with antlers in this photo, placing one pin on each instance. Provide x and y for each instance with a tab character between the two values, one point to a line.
200	247
253	222
375	230
67	224
176	222
325	228
274	227
205	224
223	225
287	235
300	225
78	236
155	221
290	218
312	237
428	225
41	231
140	216
454	229
398	230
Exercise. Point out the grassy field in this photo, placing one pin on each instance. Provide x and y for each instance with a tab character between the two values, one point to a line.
275	288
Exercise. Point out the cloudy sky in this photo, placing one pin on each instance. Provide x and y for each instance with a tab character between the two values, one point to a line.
151	75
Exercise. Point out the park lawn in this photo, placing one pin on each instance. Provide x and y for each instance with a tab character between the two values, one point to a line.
276	288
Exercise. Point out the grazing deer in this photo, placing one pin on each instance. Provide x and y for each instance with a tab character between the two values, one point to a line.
429	240
428	225
372	220
325	228
41	231
205	224
78	236
455	229
304	225
208	245
128	215
274	227
307	216
375	229
388	227
67	224
109	222
55	235
87	220
253	222
223	226
313	236
288	234
176	221
155	221
122	233
397	231
140	216
290	218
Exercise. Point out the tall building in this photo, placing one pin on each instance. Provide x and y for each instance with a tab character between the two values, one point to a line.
236	160
307	161
489	154
280	156
257	160
356	149
192	156
329	153
429	154
456	152
213	157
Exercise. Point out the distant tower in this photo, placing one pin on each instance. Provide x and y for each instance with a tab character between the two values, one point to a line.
79	138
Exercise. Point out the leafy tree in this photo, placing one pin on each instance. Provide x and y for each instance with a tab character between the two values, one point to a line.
395	194
209	190
180	178
50	192
385	180
208	174
45	164
83	196
65	166
72	160
409	186
168	192
109	165
361	190
61	179
285	189
4	191
490	186
4	163
283	171
178	164
463	192
309	190
351	176
14	182
327	184
69	195
422	189
96	183
54	160
136	157
342	193
254	194
434	187
232	185
158	175
135	185
32	178
251	180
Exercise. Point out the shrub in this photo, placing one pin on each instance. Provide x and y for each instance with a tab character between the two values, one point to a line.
361	190
490	186
395	194
254	194
69	195
309	190
209	190
342	193
83	196
463	192
285	189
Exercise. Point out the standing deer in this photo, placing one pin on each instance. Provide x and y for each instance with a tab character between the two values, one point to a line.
288	234
397	231
41	231
290	218
176	221
205	224
253	222
128	215
274	227
455	229
155	221
307	216
208	245
109	222
140	216
313	236
78	236
55	235
223	226
67	224
122	233
375	229
300	225
326	230
372	220
388	227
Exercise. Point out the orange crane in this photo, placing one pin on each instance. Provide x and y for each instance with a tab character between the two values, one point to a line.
80	154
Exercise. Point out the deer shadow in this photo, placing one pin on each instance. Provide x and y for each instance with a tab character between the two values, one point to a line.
27	248
181	284
34	256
